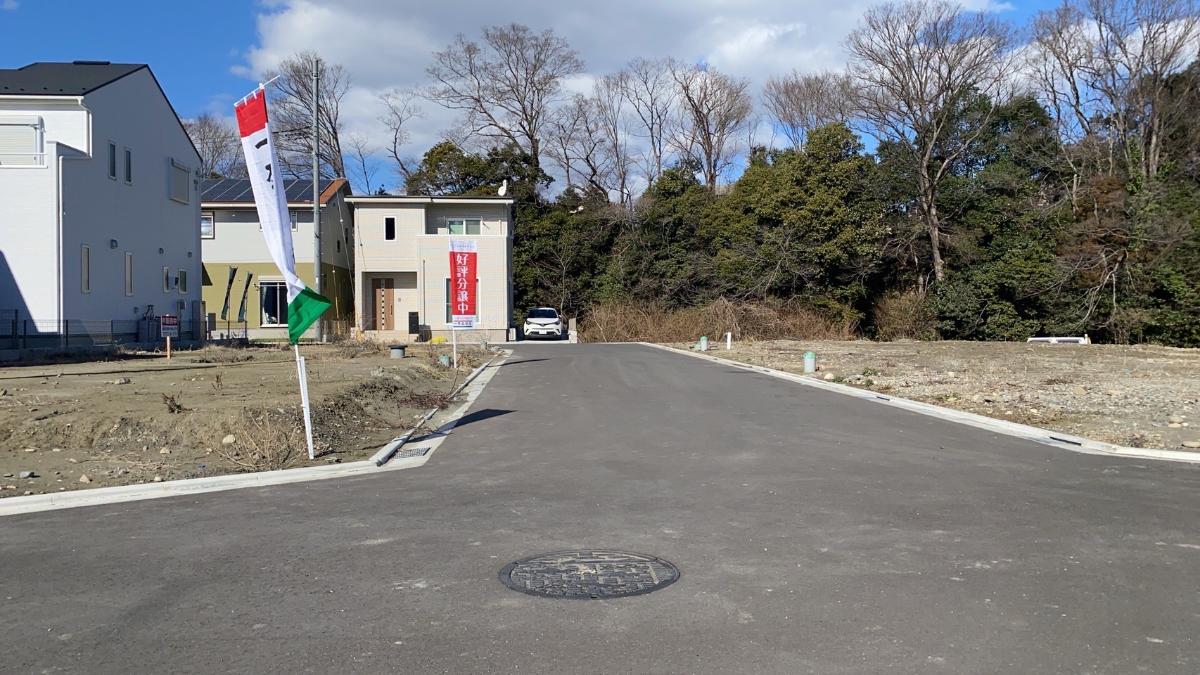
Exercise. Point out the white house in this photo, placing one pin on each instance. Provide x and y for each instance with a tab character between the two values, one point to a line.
99	202
402	264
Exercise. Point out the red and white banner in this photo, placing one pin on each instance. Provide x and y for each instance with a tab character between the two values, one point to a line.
463	274
263	167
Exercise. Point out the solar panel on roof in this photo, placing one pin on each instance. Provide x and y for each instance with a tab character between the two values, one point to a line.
235	190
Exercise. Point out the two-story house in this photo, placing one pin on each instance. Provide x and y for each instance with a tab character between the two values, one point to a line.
402	264
238	267
99	207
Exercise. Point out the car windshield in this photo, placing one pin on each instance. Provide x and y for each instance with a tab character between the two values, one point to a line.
543	314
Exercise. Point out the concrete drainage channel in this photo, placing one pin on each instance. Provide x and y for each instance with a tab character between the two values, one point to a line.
386	452
409	458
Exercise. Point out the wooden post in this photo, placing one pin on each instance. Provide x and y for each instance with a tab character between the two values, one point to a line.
168	347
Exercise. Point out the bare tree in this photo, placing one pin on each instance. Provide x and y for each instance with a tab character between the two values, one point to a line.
363	168
799	103
714	108
1102	68
219	146
507	86
651	93
400	109
292	100
913	65
577	144
614	125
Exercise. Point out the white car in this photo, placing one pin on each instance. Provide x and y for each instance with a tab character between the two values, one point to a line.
544	322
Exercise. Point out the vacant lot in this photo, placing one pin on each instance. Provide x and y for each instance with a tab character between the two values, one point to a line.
142	418
1140	396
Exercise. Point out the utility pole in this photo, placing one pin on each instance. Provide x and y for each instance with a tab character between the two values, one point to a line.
316	186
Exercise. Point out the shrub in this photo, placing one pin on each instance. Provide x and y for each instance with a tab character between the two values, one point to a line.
765	320
904	315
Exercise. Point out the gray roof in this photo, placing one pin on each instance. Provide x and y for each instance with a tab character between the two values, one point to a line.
63	79
234	190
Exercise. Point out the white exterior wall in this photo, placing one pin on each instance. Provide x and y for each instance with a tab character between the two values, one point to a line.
96	210
29	206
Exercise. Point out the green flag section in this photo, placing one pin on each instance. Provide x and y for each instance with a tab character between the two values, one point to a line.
303	311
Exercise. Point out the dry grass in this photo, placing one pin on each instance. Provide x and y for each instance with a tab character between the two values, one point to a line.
905	316
768	320
267	440
353	349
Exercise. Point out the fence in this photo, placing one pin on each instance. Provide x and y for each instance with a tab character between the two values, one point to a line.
82	333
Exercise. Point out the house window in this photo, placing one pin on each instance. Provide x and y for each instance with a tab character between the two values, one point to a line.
21	141
208	226
464	225
128	165
180	182
449	317
182	281
389	228
128	273
166	280
85	269
272	296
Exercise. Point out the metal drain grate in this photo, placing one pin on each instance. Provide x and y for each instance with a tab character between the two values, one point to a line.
589	575
412	452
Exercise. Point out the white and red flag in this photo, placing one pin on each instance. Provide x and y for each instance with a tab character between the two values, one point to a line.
463	273
304	305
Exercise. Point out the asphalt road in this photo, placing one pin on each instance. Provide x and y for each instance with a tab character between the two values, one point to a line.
816	533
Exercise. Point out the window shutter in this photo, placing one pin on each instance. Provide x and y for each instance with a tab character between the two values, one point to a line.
19	141
181	183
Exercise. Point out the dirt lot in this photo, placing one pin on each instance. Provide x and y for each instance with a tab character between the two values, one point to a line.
141	418
1139	396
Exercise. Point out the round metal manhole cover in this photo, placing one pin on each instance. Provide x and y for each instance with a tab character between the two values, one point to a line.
589	575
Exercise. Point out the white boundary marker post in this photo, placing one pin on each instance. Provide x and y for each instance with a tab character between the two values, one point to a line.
302	376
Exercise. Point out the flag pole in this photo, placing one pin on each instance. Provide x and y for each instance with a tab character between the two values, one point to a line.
302	376
316	185
454	340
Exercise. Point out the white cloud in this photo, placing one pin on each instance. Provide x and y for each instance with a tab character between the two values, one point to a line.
9	5
384	44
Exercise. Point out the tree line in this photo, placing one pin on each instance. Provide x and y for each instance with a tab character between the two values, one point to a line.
1019	180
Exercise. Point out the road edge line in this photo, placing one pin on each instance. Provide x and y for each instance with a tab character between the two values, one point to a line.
12	506
1055	439
385	453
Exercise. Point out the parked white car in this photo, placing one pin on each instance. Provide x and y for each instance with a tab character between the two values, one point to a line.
544	322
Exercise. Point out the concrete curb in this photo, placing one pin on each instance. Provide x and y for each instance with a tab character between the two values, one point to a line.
386	452
12	506
1045	436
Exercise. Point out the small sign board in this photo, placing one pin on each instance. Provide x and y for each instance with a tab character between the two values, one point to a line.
463	283
169	325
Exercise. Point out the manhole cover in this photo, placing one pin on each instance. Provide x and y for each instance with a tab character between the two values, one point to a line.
589	575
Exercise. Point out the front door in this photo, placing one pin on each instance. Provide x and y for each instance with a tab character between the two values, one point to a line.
384	294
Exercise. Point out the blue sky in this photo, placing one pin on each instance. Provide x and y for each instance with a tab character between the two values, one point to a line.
191	46
207	54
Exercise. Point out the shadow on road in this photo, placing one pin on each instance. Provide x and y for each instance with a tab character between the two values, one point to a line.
471	418
513	363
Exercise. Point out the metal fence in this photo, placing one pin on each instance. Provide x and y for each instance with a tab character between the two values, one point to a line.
82	333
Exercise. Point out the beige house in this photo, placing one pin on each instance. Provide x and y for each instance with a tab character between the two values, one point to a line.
402	264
